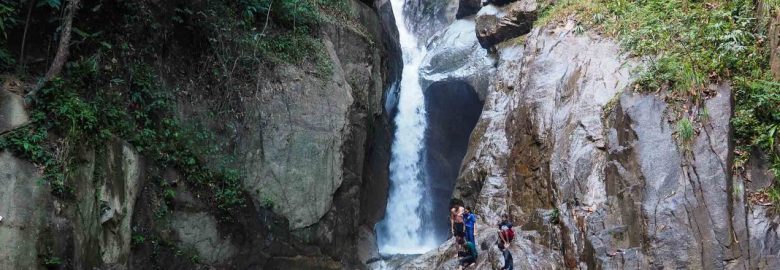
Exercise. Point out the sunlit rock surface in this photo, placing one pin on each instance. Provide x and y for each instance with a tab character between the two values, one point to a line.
596	174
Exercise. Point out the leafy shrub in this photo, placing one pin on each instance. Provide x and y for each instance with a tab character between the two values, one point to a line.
8	19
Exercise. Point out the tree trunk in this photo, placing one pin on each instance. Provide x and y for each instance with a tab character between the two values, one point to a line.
62	50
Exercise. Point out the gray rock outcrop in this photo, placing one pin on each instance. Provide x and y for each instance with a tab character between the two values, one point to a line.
427	17
498	24
312	144
317	146
95	231
597	175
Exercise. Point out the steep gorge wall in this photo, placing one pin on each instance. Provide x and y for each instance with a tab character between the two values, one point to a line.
304	141
595	174
315	146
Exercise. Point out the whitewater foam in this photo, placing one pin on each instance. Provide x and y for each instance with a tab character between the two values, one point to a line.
400	232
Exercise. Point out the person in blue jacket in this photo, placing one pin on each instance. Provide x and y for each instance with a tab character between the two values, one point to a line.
470	220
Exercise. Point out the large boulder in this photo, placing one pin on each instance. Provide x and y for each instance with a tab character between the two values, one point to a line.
426	17
334	122
498	24
454	56
12	114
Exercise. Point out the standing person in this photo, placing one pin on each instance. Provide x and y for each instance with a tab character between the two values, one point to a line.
468	255
456	219
508	263
470	221
506	233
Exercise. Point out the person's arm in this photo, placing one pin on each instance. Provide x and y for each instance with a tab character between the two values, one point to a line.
452	224
475	225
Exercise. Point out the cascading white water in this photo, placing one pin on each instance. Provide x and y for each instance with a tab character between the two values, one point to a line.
401	230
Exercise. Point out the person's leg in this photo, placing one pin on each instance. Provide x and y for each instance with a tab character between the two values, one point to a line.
459	229
470	234
470	260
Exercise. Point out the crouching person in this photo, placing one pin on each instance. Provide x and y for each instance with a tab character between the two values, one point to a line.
468	256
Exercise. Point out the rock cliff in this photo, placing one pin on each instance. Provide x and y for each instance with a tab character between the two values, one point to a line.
313	150
597	174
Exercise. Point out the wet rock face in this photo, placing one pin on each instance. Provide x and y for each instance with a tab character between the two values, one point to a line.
454	55
495	25
93	232
23	212
467	8
317	145
455	76
336	124
595	175
426	17
12	105
453	109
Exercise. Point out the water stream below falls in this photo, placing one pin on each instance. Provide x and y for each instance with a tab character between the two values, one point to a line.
401	231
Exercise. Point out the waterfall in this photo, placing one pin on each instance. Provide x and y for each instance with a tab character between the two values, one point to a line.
400	232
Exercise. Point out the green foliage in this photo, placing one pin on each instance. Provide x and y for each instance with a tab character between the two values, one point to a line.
685	130
691	41
8	19
169	194
161	212
138	239
268	203
555	216
294	48
757	117
50	260
78	110
774	195
55	4
29	142
195	259
704	115
294	14
297	44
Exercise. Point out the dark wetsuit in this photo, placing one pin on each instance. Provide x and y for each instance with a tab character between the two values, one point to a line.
469	256
508	264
